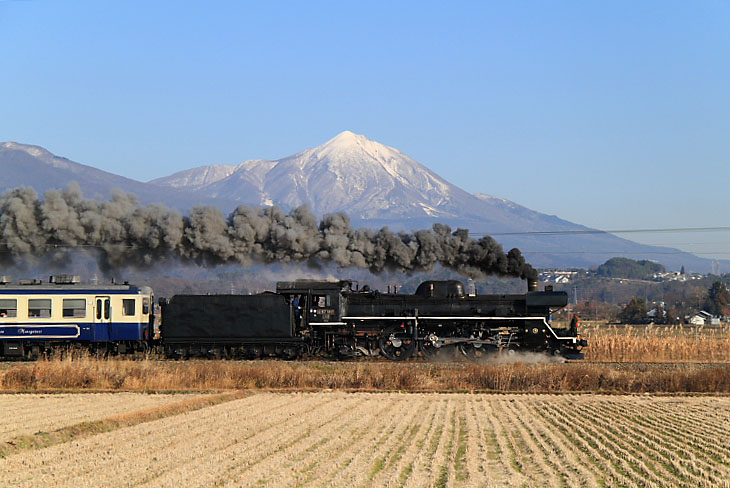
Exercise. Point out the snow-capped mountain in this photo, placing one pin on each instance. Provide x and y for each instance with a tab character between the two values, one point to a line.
374	184
377	185
348	173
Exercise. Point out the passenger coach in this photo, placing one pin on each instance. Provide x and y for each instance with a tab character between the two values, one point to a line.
36	317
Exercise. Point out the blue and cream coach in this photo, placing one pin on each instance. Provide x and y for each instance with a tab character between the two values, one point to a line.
36	317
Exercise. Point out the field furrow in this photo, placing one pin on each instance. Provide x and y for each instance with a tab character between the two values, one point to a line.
300	460
503	464
542	463
594	445
687	464
573	469
634	458
651	455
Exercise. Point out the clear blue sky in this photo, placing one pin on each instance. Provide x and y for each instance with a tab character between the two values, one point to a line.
610	114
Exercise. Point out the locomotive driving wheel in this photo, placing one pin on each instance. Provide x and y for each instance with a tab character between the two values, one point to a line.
478	352
432	352
396	345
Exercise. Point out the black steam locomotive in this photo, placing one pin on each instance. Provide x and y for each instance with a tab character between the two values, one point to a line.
331	318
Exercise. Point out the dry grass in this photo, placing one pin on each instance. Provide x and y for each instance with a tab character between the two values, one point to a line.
657	344
164	376
676	349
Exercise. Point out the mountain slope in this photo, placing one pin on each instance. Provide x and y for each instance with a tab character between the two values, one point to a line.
36	167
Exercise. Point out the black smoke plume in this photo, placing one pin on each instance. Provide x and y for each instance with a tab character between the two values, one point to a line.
122	233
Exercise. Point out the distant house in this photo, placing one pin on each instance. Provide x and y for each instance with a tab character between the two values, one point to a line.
557	276
652	313
676	276
703	318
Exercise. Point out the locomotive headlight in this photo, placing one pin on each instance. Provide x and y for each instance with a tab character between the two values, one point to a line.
535	330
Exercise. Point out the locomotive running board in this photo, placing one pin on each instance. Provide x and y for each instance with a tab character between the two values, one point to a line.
426	317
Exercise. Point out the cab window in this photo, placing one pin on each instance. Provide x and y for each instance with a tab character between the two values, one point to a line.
145	306
321	301
128	306
74	307
39	307
9	307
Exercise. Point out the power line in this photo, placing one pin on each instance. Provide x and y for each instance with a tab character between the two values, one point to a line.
624	252
596	231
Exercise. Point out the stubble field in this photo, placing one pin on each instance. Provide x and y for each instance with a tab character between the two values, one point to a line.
28	414
392	439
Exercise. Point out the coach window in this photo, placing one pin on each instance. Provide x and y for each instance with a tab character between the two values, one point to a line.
145	306
128	306
39	307
74	307
9	307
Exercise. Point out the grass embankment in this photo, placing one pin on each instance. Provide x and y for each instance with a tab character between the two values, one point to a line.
117	375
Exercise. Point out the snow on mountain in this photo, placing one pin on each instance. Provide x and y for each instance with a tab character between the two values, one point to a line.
43	155
197	177
348	173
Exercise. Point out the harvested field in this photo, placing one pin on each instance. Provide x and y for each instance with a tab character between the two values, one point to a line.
28	414
391	439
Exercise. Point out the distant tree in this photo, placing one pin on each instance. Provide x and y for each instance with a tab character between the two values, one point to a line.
634	312
628	268
725	278
674	315
681	271
718	299
660	315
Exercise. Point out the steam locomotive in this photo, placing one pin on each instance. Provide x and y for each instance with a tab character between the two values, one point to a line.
333	319
302	318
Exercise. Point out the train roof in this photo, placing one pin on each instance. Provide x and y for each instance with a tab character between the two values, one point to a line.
313	285
36	287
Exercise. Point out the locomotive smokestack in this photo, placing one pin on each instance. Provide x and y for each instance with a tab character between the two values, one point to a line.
531	284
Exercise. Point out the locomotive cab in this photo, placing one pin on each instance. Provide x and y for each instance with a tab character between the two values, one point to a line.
314	302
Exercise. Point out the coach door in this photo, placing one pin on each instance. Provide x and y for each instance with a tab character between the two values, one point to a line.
102	319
